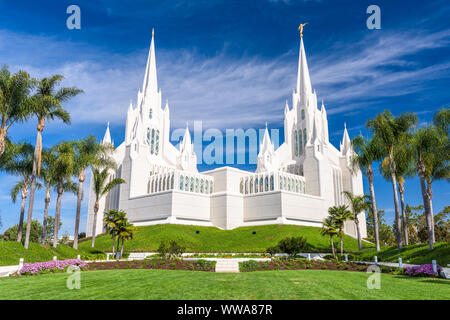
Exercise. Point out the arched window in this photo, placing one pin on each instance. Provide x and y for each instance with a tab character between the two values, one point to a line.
164	184
202	185
300	140
196	185
157	143
297	186
256	185
305	137
266	184
296	143
251	185
284	183
192	185
261	187
152	147
303	114
148	136
150	113
171	181
186	184
206	186
181	182
241	187
271	183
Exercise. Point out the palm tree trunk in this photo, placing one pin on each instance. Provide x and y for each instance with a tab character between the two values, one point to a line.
401	189
94	226
2	140
81	179
121	249
430	200
57	214
358	234
342	243
426	203
374	208
44	224
114	243
22	210
332	246
397	209
37	152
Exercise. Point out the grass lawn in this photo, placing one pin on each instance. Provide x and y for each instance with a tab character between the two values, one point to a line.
211	239
188	285
414	254
12	251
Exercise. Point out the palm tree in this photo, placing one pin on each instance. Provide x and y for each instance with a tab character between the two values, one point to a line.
112	220
125	232
357	204
389	130
20	162
101	188
367	152
46	105
62	172
14	106
329	228
340	214
404	168
428	147
88	153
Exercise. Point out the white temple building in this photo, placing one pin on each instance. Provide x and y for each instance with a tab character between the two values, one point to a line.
294	184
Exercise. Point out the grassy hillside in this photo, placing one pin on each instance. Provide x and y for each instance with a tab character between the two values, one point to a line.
12	251
414	254
211	239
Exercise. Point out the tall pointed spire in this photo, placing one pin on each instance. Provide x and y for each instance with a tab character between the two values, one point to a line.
150	84
346	142
186	139
107	136
303	79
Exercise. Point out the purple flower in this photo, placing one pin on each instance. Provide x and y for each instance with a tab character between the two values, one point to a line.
423	270
38	267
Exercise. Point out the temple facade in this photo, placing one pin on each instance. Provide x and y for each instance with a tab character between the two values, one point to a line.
293	184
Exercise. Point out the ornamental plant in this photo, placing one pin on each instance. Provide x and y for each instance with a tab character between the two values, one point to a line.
425	270
50	266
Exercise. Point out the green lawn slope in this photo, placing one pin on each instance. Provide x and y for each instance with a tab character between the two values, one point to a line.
12	251
211	239
413	254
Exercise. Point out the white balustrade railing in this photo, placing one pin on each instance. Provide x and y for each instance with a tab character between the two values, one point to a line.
272	181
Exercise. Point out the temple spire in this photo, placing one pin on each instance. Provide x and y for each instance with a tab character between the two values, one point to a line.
346	142
107	136
303	79
150	84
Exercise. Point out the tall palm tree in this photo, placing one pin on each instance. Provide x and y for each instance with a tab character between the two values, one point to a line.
112	220
14	107
102	186
389	130
340	214
357	205
62	171
46	104
49	182
88	153
20	162
367	152
329	228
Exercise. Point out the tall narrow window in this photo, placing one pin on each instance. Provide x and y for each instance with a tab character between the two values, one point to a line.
251	185
186	184
181	182
305	137
296	143
206	186
271	183
150	113
196	185
303	114
152	147
261	187
192	185
241	187
300	139
157	143
201	186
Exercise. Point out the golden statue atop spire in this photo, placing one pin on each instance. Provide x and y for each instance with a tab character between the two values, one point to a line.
153	32
300	28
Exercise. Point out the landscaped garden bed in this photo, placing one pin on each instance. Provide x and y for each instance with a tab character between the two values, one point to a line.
167	264
299	264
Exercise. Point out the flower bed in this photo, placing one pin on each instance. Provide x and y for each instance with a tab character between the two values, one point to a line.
299	264
50	266
155	263
425	270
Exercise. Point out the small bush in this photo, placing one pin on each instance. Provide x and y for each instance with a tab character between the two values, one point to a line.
292	246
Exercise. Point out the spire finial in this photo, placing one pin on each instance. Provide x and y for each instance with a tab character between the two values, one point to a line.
300	28
345	125
266	124
153	32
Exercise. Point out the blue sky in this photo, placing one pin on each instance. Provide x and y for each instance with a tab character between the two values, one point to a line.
231	64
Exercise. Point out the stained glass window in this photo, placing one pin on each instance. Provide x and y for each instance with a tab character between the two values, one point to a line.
181	182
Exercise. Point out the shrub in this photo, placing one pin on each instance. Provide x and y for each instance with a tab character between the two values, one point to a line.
424	270
292	246
171	250
250	265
